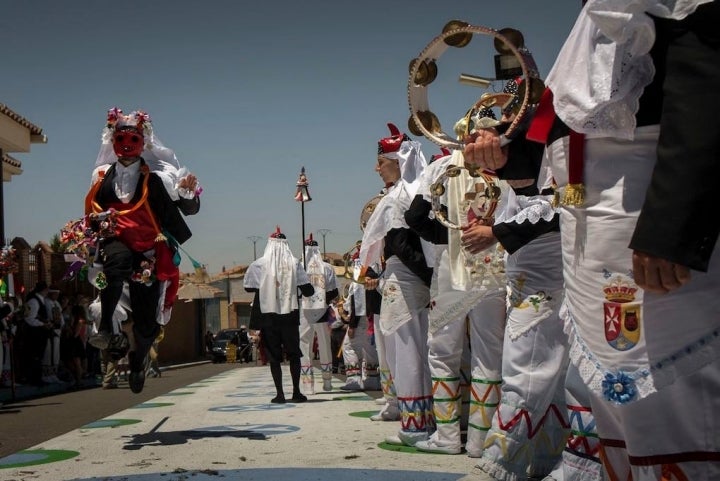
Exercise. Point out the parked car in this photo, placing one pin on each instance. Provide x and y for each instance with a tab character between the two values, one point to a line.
223	337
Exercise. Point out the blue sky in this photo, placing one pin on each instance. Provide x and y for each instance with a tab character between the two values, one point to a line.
245	95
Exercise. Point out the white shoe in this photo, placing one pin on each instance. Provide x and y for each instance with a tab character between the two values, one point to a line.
389	412
353	384
327	385
407	438
394	440
381	401
431	446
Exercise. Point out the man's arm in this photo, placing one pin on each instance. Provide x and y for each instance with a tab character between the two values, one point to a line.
678	226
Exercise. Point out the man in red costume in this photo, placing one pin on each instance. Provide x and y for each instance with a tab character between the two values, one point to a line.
140	191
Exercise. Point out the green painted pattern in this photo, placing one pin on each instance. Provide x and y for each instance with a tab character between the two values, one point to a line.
152	405
35	457
402	449
363	414
351	398
110	423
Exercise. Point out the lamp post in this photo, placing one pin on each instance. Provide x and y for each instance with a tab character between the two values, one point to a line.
323	233
254	239
302	195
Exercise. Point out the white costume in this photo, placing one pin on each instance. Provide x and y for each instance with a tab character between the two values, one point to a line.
312	314
359	352
463	309
642	355
405	296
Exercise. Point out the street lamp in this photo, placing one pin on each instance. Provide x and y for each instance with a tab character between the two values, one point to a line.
323	233
254	239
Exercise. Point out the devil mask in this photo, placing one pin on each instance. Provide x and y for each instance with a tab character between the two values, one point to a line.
128	142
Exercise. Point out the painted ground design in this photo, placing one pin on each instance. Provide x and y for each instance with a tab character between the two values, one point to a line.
225	426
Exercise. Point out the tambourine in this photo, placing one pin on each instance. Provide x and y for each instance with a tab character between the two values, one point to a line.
368	210
514	61
479	203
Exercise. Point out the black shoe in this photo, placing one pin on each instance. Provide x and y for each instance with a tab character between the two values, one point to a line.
136	381
299	398
118	346
278	400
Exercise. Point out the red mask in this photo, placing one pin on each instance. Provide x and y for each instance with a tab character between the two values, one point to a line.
128	143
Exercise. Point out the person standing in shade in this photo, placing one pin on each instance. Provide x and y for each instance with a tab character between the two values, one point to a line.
275	279
36	331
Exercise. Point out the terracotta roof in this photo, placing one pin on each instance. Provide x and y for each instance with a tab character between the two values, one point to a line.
34	129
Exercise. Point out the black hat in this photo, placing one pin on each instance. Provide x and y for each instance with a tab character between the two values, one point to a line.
40	286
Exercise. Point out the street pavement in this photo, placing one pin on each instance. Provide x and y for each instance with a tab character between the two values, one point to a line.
225	426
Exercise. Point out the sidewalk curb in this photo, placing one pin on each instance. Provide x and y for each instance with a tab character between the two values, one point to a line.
27	392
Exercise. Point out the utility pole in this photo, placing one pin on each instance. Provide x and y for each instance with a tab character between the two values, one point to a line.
323	233
254	239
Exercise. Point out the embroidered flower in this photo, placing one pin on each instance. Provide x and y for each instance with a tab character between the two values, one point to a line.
619	388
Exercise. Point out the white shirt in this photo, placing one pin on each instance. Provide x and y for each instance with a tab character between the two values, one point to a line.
126	179
34	306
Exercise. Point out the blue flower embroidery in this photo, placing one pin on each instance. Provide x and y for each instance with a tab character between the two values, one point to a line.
618	388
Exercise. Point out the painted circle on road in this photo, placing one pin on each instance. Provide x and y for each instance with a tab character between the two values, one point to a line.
152	405
351	398
35	457
363	414
266	429
110	423
246	394
252	407
402	449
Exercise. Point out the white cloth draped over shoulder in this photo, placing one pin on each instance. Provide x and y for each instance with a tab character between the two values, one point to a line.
389	213
605	64
277	275
322	277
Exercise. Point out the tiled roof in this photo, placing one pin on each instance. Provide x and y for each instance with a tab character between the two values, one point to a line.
34	129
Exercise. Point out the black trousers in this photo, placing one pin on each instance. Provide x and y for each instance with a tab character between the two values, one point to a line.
119	263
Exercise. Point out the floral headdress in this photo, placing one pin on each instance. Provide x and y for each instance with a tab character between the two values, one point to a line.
137	119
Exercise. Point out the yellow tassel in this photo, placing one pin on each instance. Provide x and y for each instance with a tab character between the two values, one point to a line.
574	195
160	237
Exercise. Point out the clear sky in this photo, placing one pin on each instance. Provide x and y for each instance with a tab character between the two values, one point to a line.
246	93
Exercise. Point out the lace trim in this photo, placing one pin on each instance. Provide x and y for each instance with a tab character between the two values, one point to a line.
646	380
533	209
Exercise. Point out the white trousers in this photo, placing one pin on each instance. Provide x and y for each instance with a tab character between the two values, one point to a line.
530	426
307	372
642	355
358	351
480	329
403	325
